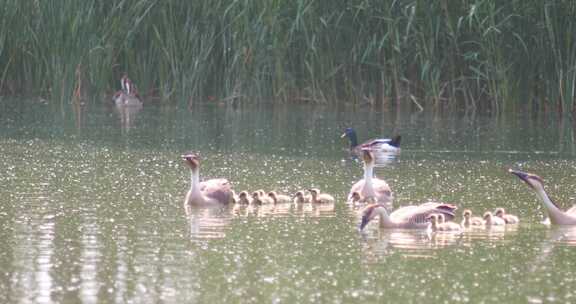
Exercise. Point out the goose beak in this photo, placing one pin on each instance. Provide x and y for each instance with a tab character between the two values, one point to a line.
191	160
520	174
523	176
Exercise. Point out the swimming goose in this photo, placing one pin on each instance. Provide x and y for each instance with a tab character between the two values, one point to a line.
408	217
300	198
209	192
438	223
279	198
556	215
259	199
508	218
355	198
491	220
244	198
371	186
320	198
127	96
469	220
379	144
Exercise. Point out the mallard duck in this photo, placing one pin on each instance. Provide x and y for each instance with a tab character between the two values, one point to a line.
408	217
320	198
556	215
508	218
208	192
371	186
390	145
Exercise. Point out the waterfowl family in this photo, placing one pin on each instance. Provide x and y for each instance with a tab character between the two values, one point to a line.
556	215
491	220
390	145
469	220
279	198
371	186
127	96
408	217
508	218
320	198
437	223
209	192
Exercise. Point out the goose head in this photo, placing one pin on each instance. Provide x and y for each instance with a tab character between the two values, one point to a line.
367	156
500	212
487	216
243	195
192	160
355	197
299	195
314	192
467	213
441	218
533	180
370	212
433	218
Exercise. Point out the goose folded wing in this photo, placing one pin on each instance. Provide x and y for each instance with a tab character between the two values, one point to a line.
420	213
219	189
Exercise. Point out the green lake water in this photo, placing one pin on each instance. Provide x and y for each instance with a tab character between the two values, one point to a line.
91	207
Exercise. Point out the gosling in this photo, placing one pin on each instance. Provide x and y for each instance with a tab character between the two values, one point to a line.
320	198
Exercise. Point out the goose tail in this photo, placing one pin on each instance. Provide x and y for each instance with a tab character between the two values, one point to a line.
395	142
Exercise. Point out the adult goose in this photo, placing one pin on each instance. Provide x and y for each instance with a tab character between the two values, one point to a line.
389	145
408	217
556	215
371	186
127	96
209	192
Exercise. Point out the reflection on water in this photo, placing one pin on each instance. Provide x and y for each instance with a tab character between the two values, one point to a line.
423	243
212	223
563	235
209	223
127	114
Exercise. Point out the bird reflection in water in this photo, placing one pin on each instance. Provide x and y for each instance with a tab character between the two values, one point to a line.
209	222
563	235
422	243
213	222
127	116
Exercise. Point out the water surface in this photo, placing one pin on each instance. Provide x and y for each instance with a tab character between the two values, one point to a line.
91	207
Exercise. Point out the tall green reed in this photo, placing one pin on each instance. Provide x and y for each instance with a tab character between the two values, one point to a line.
476	54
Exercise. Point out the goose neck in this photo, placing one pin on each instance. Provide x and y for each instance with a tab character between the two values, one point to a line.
384	217
194	180
368	171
